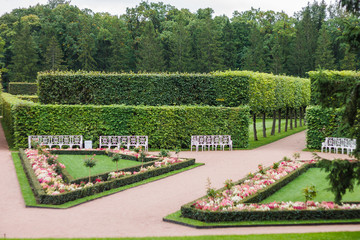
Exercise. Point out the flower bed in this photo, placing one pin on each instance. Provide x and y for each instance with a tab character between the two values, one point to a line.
238	202
50	187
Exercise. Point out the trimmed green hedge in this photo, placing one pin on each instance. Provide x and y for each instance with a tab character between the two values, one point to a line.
32	98
166	126
188	211
321	123
332	88
43	198
263	92
138	89
23	88
237	216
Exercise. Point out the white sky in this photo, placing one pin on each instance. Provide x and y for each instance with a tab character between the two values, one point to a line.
227	7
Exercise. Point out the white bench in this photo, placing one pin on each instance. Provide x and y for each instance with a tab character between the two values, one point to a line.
211	141
56	140
334	143
127	141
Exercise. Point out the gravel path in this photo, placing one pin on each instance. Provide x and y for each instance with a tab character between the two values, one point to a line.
138	212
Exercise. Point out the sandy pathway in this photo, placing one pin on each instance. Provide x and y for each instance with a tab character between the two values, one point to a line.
138	212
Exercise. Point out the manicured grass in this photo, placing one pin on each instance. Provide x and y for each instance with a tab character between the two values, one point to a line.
285	236
75	165
313	176
31	202
177	218
269	139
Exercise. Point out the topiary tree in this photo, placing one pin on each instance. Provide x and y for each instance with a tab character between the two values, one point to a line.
90	163
116	158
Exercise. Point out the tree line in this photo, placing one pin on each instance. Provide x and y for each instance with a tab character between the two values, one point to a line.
156	37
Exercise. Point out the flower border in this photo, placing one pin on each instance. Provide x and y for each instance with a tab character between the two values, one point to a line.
249	210
98	186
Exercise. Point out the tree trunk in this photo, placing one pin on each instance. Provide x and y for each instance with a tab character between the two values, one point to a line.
254	125
291	119
279	130
89	175
274	123
264	125
295	114
301	116
287	119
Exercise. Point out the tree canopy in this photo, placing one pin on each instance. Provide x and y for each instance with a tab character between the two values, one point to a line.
156	37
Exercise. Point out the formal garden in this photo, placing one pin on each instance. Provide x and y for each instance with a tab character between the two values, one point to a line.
169	109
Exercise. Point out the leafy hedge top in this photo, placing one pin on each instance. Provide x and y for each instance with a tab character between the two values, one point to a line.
263	92
332	88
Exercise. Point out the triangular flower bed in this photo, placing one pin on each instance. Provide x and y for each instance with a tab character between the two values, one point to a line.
241	201
52	185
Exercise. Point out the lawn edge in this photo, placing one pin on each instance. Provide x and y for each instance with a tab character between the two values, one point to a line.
271	224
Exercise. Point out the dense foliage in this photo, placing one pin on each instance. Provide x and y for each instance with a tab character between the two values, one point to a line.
263	92
323	122
332	88
342	176
338	89
141	89
166	126
58	36
22	88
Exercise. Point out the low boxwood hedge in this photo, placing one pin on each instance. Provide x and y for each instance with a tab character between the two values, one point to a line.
188	211
43	198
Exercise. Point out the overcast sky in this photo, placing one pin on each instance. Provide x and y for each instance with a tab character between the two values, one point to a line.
227	7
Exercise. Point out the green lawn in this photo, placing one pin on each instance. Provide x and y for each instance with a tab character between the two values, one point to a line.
75	165
314	176
269	139
292	236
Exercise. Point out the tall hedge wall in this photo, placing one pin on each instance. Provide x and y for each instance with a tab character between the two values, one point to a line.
140	89
22	88
321	123
332	88
263	92
166	126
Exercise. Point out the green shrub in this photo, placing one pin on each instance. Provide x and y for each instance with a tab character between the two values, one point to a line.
32	98
321	123
22	88
332	88
166	126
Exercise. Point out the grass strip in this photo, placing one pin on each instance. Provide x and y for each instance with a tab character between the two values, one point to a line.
269	139
75	164
293	191
178	219
30	200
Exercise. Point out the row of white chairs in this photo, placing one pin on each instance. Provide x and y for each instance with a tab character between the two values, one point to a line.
124	141
56	140
211	142
336	144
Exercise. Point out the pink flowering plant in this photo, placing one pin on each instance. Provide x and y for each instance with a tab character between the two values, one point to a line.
50	180
232	197
45	167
